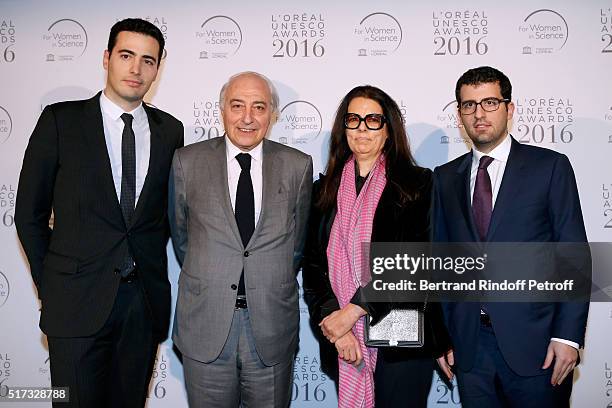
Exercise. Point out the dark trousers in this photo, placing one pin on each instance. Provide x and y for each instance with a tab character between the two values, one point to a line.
492	383
402	382
111	368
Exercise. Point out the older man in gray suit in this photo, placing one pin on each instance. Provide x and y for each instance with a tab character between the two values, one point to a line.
238	211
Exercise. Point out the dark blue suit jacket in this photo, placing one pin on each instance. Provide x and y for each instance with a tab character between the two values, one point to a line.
537	202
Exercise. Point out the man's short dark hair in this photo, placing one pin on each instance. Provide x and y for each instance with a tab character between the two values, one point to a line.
136	25
484	75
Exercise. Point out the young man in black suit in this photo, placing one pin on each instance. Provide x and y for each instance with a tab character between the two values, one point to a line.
101	166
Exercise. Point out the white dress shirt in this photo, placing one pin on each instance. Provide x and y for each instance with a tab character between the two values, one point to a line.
496	172
233	173
113	131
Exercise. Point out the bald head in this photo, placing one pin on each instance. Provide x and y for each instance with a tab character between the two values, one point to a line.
273	95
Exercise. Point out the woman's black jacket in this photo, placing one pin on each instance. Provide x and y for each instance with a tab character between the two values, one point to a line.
394	221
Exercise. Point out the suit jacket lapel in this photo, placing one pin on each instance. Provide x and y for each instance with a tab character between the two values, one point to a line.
93	130
271	183
462	184
509	185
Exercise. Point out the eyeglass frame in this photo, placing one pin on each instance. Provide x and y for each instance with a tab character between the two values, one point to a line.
499	101
383	120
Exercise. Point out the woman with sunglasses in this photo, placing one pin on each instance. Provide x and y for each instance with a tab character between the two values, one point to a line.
372	192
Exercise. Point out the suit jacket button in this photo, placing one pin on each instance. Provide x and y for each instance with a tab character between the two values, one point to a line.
234	287
246	254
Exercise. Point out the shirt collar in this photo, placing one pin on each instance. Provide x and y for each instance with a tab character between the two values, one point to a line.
500	152
114	111
231	150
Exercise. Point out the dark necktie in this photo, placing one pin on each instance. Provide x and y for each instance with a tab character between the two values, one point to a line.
245	207
482	202
128	181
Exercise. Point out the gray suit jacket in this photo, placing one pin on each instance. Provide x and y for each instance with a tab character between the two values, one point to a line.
208	246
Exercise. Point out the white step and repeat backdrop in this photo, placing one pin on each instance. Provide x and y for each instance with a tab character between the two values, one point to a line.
558	55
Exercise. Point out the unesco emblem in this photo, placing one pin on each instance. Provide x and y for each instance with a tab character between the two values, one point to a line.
221	37
66	40
4	289
378	34
6	125
299	122
543	31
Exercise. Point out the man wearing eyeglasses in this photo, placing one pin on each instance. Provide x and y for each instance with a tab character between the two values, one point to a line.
508	354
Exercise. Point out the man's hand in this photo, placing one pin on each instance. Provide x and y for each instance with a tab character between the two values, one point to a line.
340	322
446	362
348	349
565	357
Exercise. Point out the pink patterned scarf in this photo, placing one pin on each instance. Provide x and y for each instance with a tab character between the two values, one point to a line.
352	227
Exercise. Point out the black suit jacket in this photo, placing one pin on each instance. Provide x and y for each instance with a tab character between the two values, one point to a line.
537	202
393	222
66	169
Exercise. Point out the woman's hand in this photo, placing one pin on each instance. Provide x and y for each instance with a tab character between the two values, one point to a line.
348	349
446	363
340	322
